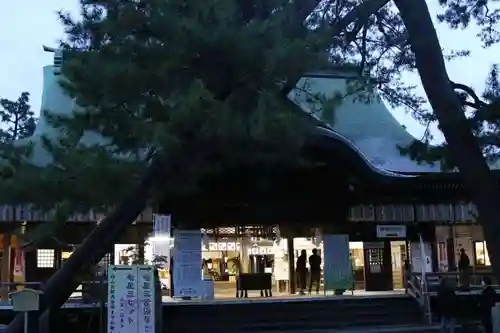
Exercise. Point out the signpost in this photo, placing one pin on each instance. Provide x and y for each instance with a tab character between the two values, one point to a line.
131	299
28	302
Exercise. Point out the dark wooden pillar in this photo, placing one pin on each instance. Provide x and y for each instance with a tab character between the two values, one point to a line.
291	264
434	249
140	253
289	232
450	250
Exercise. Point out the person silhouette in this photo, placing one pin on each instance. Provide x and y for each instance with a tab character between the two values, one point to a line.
315	266
301	270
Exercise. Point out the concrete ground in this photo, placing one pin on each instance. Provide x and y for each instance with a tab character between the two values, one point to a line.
228	296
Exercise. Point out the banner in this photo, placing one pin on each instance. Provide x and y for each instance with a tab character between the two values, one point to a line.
161	241
337	266
19	268
162	225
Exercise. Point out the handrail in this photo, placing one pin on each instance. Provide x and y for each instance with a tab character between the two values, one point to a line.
427	299
418	289
422	284
414	288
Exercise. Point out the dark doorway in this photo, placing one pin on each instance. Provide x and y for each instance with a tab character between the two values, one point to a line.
378	266
259	263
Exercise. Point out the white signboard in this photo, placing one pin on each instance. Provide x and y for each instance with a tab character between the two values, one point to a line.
146	295
421	257
187	263
131	295
162	225
391	231
281	269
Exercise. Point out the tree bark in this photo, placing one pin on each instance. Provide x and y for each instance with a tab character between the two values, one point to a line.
462	144
63	283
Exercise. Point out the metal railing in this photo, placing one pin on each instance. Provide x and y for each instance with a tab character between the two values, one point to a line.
423	286
418	289
12	285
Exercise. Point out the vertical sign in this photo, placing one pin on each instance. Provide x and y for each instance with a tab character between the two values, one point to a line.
337	268
129	302
187	263
280	269
318	236
19	268
146	299
162	225
112	309
131	294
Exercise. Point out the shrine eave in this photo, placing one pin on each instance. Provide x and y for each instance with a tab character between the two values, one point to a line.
333	146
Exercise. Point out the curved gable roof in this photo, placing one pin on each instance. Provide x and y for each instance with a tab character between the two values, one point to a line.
369	129
369	126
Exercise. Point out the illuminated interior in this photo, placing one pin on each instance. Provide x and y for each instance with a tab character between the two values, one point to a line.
358	264
481	254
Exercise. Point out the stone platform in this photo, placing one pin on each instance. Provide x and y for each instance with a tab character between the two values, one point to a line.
362	312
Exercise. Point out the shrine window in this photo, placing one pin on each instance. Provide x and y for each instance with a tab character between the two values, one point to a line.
45	258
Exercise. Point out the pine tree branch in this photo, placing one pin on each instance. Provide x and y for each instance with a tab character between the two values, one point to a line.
491	139
477	102
360	14
305	8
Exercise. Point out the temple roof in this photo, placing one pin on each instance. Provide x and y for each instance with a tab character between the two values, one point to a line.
368	126
368	129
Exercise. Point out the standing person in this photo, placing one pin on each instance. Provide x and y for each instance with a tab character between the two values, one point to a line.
301	270
488	299
446	300
463	268
463	261
171	272
315	266
406	274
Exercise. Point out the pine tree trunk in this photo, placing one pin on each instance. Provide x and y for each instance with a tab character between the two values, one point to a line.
141	254
63	283
462	145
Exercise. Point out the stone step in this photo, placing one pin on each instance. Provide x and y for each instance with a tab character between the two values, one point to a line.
297	315
376	329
